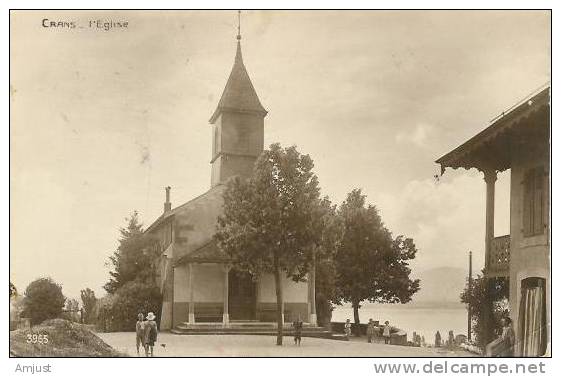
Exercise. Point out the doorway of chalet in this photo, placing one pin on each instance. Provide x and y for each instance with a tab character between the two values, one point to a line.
242	296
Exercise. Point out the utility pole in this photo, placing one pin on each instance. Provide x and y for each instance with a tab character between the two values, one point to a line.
470	287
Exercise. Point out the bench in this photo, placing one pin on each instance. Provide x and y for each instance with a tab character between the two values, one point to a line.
270	315
208	315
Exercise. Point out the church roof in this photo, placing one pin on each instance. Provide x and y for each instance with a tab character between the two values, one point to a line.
239	93
209	252
212	195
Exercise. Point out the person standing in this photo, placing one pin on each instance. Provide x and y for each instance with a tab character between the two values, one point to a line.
387	333
370	330
298	324
139	332
348	328
150	334
437	339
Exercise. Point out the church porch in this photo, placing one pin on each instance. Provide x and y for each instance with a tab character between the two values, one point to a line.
212	295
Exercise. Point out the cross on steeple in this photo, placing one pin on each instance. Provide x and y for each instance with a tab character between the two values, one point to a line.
239	36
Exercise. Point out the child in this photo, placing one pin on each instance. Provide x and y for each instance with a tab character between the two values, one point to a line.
370	330
297	331
387	333
139	332
348	328
150	334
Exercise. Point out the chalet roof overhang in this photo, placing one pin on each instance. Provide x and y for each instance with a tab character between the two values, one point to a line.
492	148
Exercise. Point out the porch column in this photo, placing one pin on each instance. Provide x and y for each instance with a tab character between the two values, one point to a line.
313	315
226	315
490	177
191	295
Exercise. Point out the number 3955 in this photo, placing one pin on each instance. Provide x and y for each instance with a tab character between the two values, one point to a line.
38	338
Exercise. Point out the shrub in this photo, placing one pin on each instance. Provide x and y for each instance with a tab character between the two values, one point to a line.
43	300
487	295
117	312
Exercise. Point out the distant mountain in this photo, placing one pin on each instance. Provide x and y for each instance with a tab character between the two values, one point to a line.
441	285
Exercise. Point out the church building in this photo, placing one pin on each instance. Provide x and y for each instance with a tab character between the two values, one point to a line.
196	279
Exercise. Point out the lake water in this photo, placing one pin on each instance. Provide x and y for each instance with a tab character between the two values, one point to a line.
425	320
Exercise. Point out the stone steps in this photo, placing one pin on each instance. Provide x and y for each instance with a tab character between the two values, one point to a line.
248	328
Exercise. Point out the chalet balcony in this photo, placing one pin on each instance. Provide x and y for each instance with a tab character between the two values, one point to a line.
499	258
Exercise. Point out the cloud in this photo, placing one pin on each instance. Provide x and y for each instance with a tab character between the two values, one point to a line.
446	218
420	136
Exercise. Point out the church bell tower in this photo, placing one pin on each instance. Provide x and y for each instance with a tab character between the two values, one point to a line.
237	125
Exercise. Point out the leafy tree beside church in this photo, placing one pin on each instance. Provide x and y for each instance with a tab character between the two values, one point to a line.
267	222
132	287
371	265
134	258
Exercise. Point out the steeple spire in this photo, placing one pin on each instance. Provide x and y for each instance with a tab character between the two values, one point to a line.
237	124
239	94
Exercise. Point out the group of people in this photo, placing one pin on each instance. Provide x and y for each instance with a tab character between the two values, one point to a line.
371	330
146	333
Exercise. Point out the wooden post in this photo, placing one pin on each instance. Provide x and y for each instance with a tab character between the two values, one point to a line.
490	177
191	295
470	282
226	315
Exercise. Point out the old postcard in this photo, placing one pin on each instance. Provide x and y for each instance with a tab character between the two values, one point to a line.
288	183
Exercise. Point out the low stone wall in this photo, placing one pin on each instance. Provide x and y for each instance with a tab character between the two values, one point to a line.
398	336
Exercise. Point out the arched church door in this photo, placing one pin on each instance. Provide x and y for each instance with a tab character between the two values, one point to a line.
241	296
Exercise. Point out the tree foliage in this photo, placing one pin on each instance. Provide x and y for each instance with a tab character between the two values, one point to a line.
43	300
329	228
267	225
118	311
88	304
13	290
369	263
71	305
487	297
134	258
132	287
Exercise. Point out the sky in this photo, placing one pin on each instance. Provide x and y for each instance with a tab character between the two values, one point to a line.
102	121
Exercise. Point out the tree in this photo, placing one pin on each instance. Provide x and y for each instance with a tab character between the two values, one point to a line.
327	225
487	296
88	304
326	290
266	226
135	256
132	286
118	311
71	305
13	290
43	300
369	264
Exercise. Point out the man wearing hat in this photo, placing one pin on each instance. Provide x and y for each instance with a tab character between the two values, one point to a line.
150	333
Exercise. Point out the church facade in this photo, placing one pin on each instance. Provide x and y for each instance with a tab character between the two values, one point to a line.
195	277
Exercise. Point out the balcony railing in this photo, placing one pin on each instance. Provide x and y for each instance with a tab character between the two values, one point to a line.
499	258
